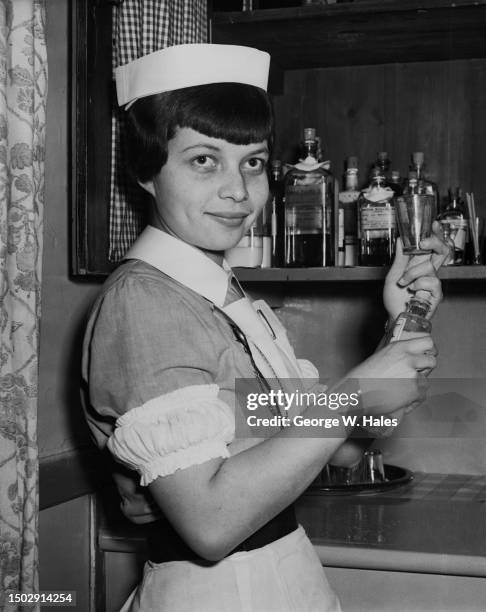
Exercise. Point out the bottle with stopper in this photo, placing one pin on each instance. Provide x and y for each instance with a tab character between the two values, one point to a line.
309	209
413	319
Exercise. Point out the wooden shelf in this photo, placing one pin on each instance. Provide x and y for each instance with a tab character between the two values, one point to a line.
359	33
337	274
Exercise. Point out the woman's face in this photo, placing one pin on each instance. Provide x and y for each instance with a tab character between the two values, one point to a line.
209	191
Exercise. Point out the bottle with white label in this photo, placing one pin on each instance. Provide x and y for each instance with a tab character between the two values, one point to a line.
377	222
412	320
309	209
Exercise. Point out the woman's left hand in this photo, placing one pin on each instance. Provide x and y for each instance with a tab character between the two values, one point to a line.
408	274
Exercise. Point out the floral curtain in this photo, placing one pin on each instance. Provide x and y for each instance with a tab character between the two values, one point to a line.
23	88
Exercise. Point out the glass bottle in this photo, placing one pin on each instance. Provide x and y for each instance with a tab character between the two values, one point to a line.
277	215
413	319
411	184
424	184
383	163
248	253
446	233
392	179
309	210
377	222
396	182
348	204
454	216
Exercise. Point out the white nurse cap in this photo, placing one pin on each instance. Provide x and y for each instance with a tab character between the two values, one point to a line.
188	65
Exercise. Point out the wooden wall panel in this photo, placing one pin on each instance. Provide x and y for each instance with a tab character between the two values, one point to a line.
436	107
477	157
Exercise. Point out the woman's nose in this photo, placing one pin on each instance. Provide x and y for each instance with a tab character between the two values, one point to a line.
234	186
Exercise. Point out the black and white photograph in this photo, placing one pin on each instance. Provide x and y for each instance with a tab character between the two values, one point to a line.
243	305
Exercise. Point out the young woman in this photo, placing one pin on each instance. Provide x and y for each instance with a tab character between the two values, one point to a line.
170	335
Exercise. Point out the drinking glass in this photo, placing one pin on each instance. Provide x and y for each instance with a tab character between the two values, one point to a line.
373	468
415	215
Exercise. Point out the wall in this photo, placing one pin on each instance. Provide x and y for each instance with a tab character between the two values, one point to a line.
63	529
399	108
64	302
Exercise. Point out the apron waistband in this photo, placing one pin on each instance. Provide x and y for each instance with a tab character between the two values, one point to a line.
166	545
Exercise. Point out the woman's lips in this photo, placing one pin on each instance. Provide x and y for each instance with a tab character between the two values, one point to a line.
229	219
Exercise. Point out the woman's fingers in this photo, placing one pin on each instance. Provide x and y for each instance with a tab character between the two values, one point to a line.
415	271
440	250
424	362
417	346
431	284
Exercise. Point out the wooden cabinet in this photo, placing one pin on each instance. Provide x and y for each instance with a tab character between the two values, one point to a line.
371	76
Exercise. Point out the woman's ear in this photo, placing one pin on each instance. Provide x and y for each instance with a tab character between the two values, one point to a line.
148	186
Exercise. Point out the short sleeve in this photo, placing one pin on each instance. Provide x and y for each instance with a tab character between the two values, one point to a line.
151	362
185	427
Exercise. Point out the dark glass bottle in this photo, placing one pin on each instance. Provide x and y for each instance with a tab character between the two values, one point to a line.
377	222
396	183
309	210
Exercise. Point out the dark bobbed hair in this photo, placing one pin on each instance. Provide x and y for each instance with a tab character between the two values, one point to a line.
238	113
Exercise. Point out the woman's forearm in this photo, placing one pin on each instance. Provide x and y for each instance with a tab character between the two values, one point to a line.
218	504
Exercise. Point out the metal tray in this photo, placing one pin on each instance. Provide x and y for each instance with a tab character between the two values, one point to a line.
396	477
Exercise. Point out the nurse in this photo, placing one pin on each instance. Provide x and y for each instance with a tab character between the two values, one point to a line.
171	332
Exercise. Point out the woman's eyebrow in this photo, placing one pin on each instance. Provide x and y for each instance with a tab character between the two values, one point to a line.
202	145
258	151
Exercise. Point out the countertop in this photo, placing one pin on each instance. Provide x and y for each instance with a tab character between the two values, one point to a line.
435	524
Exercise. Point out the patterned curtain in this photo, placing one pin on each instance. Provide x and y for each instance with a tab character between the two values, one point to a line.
141	27
23	88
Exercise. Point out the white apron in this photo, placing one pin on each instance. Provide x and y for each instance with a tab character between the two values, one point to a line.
284	576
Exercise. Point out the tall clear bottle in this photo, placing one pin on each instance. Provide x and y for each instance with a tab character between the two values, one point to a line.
309	210
377	222
455	218
348	208
277	215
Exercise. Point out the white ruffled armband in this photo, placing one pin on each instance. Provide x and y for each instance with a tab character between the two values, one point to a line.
173	431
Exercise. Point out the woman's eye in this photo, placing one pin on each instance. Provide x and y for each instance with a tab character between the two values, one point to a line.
256	164
204	162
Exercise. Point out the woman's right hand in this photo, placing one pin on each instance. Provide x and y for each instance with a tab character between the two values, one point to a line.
392	378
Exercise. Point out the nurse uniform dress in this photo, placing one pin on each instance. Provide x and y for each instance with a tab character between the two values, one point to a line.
160	361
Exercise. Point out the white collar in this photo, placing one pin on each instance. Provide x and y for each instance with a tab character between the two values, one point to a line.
182	262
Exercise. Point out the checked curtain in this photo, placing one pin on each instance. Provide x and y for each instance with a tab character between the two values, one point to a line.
141	27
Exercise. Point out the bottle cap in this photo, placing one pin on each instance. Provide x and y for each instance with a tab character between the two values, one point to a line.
309	133
419	306
352	162
276	163
395	174
382	155
418	158
412	175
